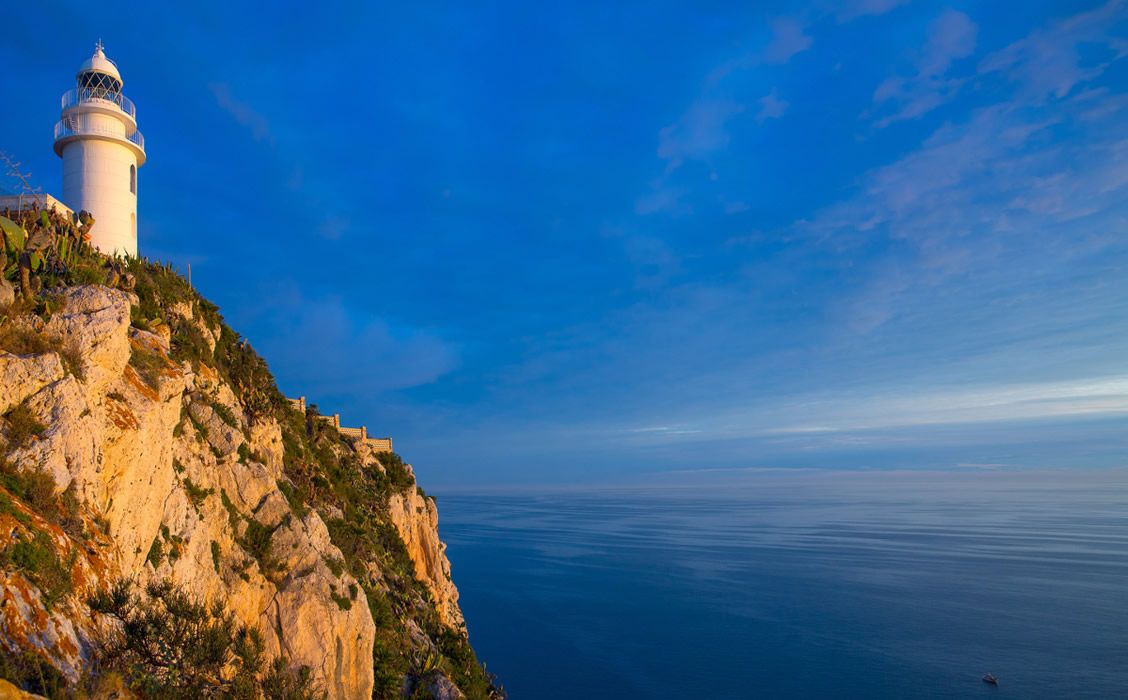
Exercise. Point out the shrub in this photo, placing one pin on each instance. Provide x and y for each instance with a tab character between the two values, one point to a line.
396	470
71	355
200	427
294	497
156	553
215	555
225	414
342	602
30	672
148	364
284	682
233	514
34	486
40	563
196	494
188	343
70	512
20	339
335	564
22	426
172	646
8	507
257	541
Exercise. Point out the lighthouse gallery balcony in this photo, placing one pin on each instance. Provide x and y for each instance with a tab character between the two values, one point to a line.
68	129
98	97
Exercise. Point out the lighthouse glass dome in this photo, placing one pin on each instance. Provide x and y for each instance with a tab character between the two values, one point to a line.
99	85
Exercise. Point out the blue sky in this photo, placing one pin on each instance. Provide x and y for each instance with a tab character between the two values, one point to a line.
579	241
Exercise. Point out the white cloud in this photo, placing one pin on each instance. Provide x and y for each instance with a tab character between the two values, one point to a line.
885	416
1048	62
320	347
983	176
851	9
243	113
951	36
1078	398
981	194
700	132
788	39
771	107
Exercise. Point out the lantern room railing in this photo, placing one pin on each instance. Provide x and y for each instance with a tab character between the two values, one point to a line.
77	96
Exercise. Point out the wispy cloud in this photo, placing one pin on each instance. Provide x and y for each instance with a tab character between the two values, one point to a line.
700	132
1048	62
243	113
851	9
789	38
1087	397
977	197
951	36
703	130
771	107
848	416
666	430
325	348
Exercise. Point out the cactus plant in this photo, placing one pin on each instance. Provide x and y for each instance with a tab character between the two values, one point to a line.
14	235
43	248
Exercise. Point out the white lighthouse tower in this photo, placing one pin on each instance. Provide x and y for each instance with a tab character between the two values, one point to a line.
101	148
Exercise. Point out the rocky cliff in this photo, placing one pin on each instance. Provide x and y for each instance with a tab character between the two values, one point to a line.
143	441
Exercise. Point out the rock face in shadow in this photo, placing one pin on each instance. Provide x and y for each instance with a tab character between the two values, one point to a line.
175	481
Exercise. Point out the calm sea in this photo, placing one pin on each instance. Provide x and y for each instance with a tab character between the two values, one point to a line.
808	585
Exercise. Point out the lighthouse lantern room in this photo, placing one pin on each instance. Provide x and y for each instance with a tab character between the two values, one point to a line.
101	148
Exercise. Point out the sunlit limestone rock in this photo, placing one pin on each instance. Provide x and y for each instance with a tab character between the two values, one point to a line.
154	454
22	377
96	320
417	521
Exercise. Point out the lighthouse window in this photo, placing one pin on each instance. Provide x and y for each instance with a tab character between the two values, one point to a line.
133	179
99	84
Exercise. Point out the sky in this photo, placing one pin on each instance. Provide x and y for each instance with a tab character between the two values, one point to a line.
574	242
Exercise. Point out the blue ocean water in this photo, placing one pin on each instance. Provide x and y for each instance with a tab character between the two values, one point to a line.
805	585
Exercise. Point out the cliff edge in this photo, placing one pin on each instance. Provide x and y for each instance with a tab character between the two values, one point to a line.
149	464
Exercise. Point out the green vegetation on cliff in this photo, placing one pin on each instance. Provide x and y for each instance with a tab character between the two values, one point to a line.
349	488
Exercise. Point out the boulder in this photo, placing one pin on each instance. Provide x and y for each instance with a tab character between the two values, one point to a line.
24	375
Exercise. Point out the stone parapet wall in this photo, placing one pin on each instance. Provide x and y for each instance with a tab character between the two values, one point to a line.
379	444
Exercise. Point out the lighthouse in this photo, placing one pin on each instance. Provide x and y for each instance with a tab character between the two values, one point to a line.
101	148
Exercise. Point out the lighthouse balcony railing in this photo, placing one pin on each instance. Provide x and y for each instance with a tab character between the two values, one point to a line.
77	96
63	130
